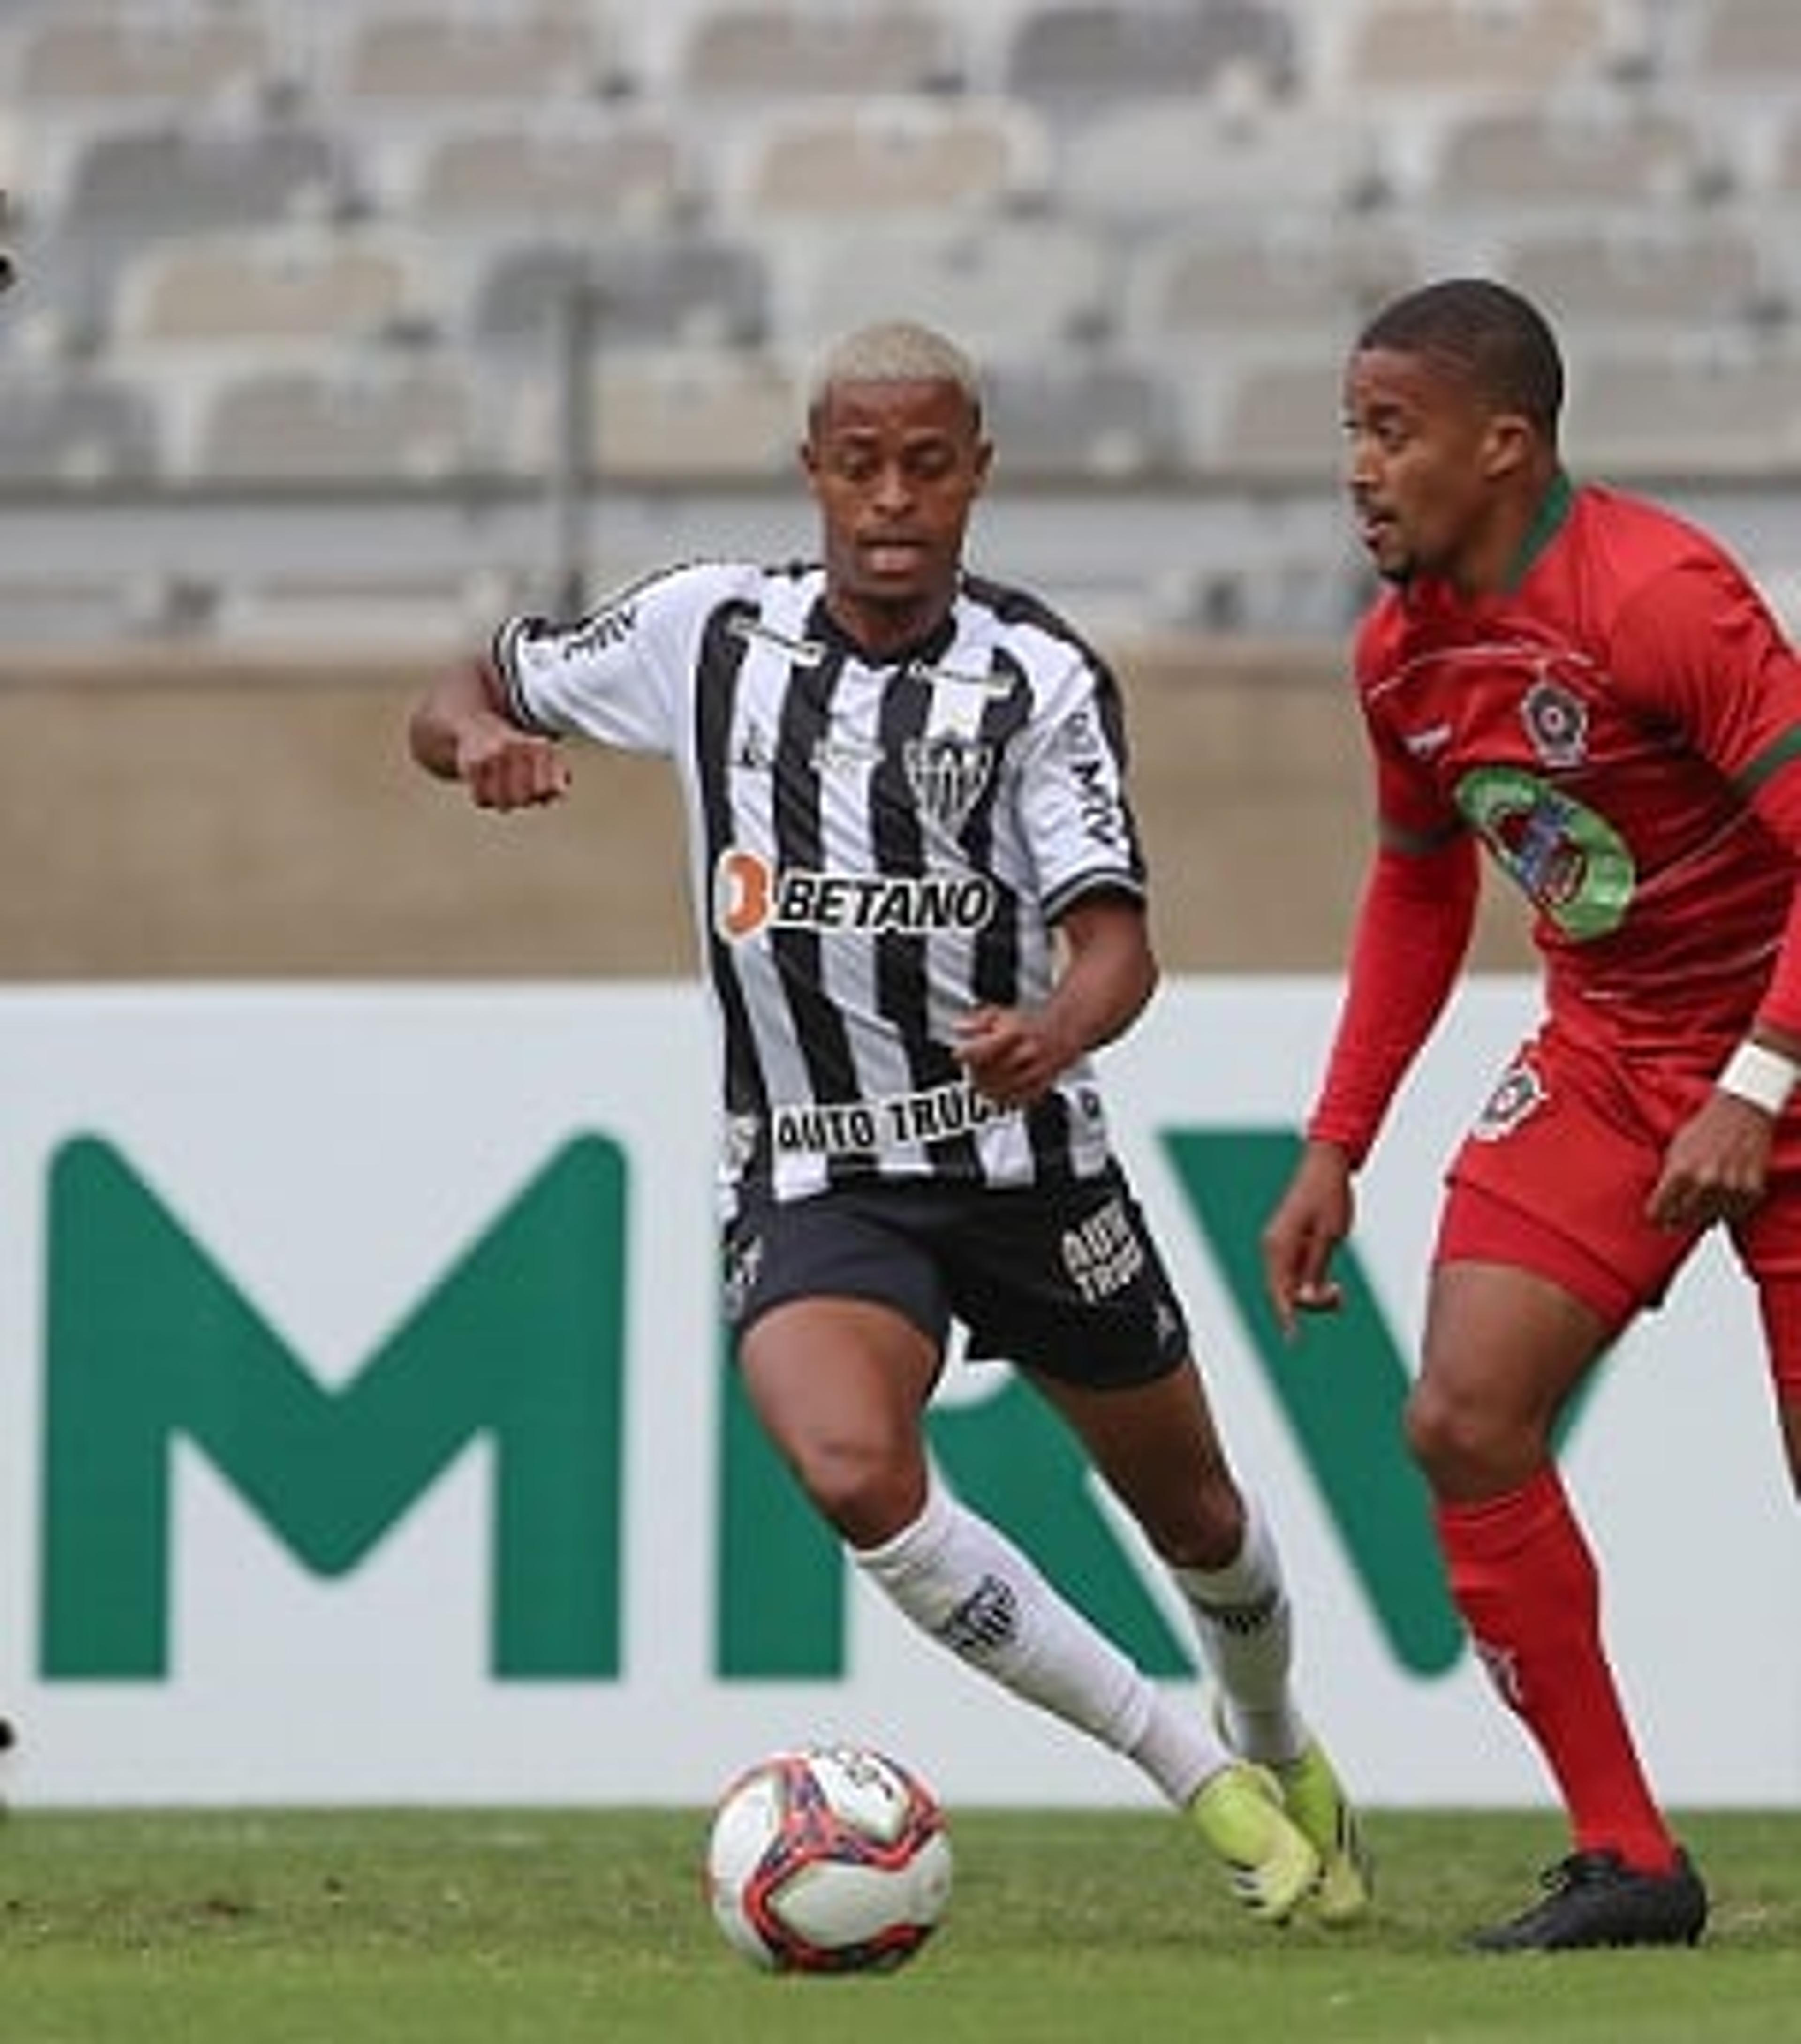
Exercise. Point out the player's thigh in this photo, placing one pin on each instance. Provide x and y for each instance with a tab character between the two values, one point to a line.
838	1379
839	1319
1503	1348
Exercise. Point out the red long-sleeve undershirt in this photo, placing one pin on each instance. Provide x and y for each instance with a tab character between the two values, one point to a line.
1778	801
1408	944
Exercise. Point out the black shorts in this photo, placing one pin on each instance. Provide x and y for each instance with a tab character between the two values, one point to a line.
1062	1279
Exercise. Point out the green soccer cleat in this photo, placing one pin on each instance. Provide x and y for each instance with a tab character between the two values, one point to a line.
1315	1798
1271	1866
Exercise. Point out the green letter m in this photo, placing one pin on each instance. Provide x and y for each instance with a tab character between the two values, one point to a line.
147	1338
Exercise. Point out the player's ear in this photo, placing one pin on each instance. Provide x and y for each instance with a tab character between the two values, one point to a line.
1506	445
982	461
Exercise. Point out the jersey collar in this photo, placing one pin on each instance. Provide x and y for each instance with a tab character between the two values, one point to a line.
1548	520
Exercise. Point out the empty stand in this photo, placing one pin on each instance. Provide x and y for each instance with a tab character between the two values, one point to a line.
304	251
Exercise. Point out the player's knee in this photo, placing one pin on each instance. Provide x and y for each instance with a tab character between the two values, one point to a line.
1200	1526
1464	1447
865	1492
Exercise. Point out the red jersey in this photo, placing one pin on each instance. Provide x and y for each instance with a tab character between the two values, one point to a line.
1613	727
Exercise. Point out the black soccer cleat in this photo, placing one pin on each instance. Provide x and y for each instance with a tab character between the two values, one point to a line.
1595	1899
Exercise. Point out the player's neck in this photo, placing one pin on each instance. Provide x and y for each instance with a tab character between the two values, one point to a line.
1502	557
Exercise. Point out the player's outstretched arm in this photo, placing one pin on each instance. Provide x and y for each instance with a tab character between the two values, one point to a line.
459	731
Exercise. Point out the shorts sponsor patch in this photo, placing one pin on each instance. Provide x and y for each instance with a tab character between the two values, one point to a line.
1103	1255
1519	1093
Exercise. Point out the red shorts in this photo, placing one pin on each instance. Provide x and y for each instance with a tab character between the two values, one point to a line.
1555	1173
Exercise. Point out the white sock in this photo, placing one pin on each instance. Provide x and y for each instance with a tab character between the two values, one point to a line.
962	1581
1245	1623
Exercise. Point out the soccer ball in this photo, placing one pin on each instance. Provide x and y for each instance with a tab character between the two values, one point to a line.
828	1859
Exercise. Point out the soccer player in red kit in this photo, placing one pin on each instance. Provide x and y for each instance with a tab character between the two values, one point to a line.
1590	689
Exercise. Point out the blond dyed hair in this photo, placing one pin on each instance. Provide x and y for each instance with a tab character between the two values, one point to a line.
894	352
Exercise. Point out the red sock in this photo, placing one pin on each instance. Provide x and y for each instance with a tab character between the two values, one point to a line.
1524	1579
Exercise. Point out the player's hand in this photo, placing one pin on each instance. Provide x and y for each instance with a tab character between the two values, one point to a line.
1011	1054
505	768
1313	1217
1716	1166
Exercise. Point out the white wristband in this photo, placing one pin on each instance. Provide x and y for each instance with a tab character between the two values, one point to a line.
1764	1077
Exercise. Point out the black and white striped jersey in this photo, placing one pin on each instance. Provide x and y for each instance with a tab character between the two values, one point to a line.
875	848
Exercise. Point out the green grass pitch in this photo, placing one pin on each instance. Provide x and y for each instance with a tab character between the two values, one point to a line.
1096	1927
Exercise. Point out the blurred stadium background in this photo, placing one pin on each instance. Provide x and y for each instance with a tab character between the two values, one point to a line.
341	328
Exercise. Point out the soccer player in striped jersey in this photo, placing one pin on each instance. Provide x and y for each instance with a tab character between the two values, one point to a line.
1590	689
920	901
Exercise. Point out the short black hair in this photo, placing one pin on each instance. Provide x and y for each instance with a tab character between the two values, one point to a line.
1493	337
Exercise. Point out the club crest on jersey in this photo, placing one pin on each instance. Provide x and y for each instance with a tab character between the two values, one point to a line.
947	776
1519	1092
1557	722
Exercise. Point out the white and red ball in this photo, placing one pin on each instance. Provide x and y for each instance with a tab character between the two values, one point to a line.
828	1859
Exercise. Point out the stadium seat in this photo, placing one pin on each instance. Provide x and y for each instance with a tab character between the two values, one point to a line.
660	414
1669	413
1078	419
1281	420
363	424
301	285
646	289
1239	290
891	156
457	56
71	428
1750	43
587	170
1476	46
124	59
129	185
1646	276
1141	162
1621	157
1002	286
1070	52
775	52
